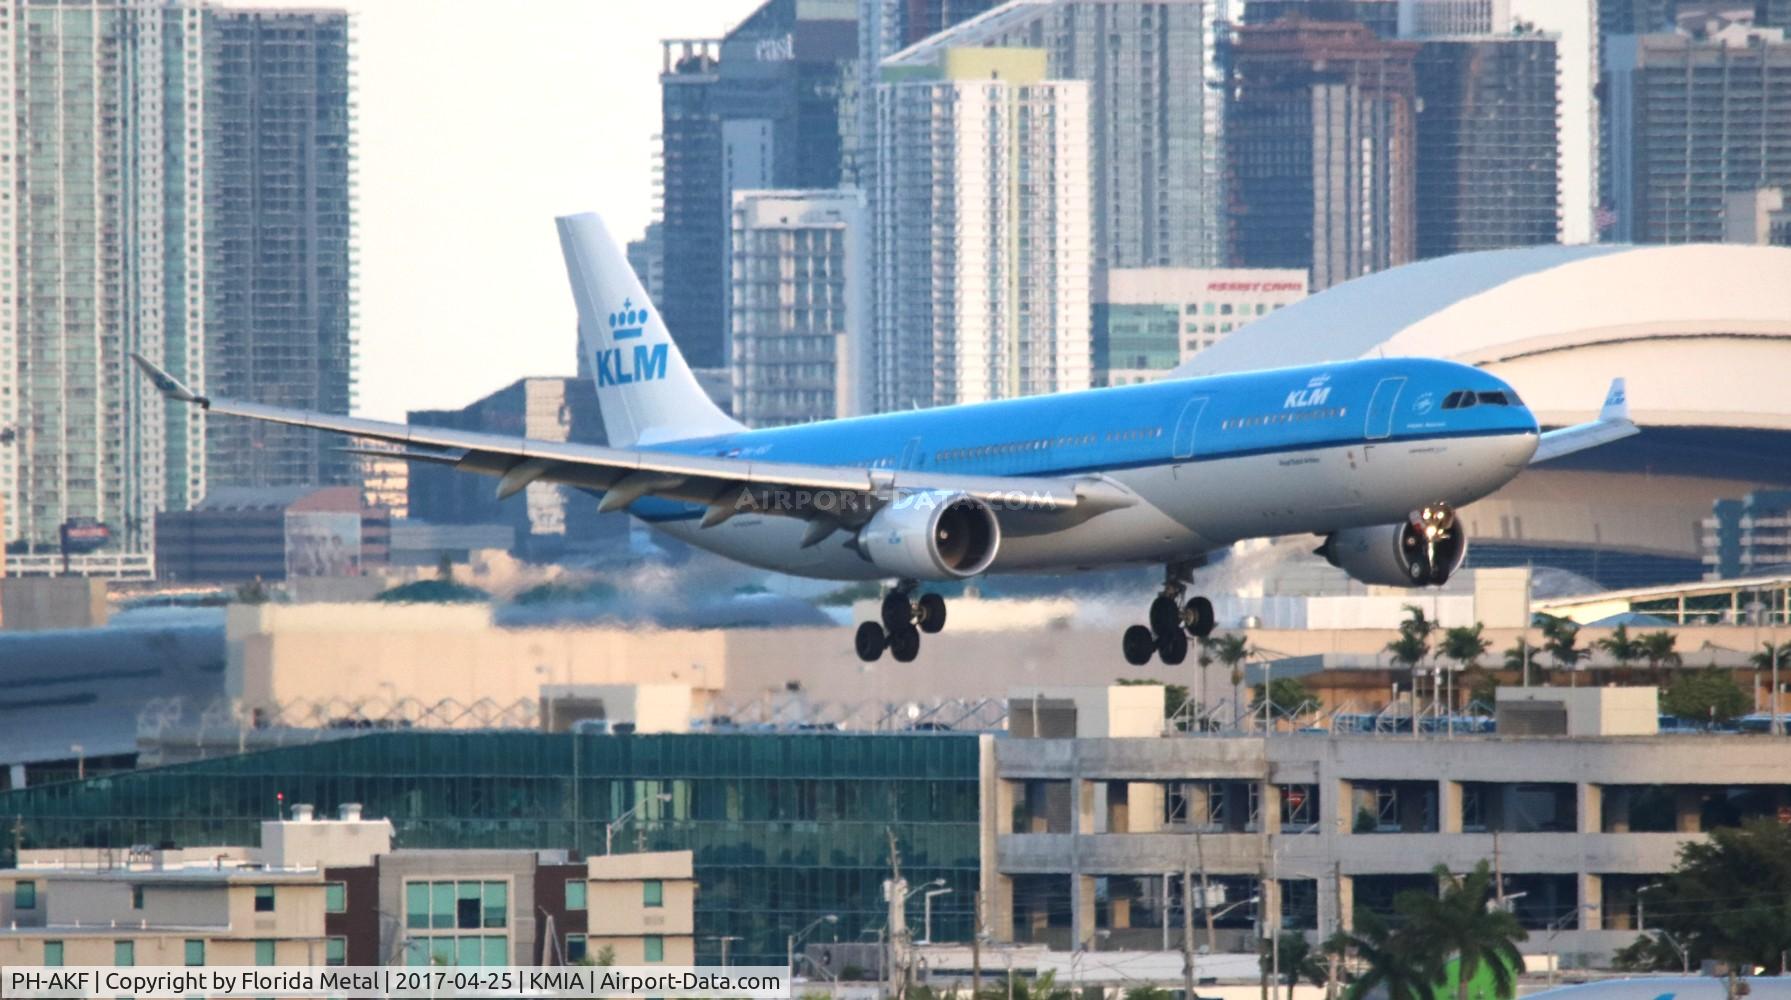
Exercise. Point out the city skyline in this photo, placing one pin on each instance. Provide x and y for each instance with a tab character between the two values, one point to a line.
472	134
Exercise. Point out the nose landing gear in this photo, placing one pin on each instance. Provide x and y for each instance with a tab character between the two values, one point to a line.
904	618
1172	622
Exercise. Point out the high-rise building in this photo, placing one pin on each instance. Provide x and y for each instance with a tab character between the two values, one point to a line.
886	27
1148	320
1692	120
799	312
278	276
1381	16
1575	28
185	196
758	109
1488	144
695	223
1773	14
981	230
1760	217
1155	74
545	409
1748	537
1432	18
647	256
1322	149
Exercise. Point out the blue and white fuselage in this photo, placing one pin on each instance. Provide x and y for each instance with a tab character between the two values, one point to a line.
1213	460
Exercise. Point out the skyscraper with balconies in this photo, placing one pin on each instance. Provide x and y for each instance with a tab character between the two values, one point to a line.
981	228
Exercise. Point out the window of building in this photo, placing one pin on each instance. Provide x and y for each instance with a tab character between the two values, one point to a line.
264	952
136	897
124	953
264	899
335	897
575	947
195	952
52	952
575	894
335	951
652	892
653	948
24	895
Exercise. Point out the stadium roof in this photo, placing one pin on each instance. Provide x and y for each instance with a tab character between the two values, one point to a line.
1702	331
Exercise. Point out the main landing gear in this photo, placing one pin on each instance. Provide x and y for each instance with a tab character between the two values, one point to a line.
1171	623
904	618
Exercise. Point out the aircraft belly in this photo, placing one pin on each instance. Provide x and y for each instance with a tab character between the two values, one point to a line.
775	543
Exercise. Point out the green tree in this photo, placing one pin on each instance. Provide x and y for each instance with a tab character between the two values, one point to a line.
1729	896
1457	921
1657	649
1520	656
1465	645
1647	953
1560	638
1709	695
1621	647
1298	960
1395	961
1413	644
1288	695
1232	650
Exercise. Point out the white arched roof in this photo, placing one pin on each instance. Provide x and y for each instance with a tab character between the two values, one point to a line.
1701	331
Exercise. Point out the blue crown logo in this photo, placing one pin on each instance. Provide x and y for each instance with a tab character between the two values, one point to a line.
627	324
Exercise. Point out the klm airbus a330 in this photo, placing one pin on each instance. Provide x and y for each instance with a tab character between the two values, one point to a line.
1375	456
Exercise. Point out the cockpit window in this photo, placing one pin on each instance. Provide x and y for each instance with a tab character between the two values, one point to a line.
1494	399
1452	401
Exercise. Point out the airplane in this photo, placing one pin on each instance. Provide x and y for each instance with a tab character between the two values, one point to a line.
1375	456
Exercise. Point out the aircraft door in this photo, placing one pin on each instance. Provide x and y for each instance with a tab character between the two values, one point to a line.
1183	444
1381	407
911	454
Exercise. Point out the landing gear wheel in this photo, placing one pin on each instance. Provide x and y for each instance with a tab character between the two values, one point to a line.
1172	647
1139	645
904	644
869	642
1165	617
1198	614
932	613
898	612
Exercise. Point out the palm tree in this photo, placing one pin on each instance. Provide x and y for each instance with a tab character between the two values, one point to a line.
1412	646
1657	649
1519	657
1622	649
1232	650
1458	920
1560	637
1395	961
1299	960
1465	645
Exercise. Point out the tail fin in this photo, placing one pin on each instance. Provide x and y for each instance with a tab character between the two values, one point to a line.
644	387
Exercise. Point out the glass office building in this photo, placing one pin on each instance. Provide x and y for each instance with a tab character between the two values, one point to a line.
786	828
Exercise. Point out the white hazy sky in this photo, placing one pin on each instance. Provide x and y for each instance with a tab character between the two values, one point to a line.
478	123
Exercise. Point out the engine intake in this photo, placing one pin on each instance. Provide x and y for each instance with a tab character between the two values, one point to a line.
1422	552
932	535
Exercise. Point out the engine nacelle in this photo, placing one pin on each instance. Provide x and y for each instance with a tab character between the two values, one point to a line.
932	535
1399	555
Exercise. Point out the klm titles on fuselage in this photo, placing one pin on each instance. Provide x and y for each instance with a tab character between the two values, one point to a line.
1317	390
649	360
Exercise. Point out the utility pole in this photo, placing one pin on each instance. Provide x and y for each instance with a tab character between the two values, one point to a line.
1188	930
1206	896
1331	966
1498	873
976	945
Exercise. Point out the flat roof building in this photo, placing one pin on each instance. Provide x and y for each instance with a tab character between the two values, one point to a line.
1147	321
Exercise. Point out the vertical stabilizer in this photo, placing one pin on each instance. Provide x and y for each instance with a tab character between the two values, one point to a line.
643	385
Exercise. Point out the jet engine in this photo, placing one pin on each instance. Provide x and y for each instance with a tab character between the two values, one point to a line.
932	535
1424	551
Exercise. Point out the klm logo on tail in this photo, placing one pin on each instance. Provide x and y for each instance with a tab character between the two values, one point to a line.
649	359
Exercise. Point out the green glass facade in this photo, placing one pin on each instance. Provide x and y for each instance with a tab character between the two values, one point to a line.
785	828
1136	337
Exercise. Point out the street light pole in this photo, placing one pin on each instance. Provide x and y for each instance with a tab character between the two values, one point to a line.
790	945
609	828
926	909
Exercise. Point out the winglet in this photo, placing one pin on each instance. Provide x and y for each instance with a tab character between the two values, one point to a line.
167	384
1616	402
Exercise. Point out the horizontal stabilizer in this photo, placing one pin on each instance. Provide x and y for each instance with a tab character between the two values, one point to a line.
1613	424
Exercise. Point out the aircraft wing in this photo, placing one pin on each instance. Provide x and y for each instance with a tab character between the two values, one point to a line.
1613	424
725	485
